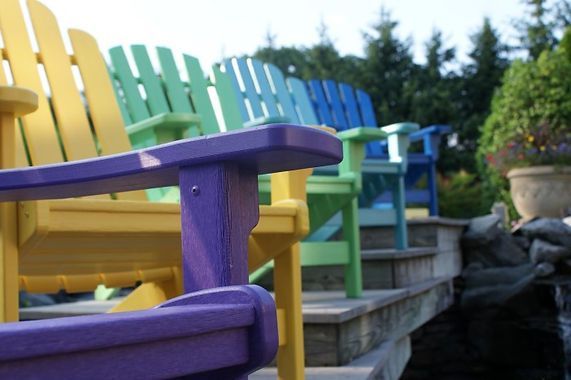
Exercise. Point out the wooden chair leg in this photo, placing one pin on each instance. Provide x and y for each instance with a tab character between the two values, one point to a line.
353	275
9	285
151	294
287	280
401	238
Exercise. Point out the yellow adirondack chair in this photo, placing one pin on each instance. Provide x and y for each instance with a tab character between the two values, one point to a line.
57	244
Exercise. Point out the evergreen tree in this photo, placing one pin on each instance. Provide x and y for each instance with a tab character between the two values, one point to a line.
473	91
537	28
432	88
325	62
388	68
290	60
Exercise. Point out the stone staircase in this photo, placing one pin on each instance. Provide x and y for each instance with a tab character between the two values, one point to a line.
366	338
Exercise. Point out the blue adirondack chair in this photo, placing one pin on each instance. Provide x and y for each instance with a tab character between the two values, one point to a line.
267	96
340	106
221	328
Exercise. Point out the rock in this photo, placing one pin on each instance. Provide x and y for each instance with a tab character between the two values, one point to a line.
543	251
522	241
496	295
481	230
549	229
507	251
544	269
496	276
500	252
471	268
567	220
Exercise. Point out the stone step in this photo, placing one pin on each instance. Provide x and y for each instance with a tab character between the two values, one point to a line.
431	231
381	268
339	330
386	362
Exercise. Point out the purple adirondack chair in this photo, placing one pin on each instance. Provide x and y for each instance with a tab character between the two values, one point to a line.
222	328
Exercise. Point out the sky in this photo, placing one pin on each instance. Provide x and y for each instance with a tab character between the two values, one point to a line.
212	29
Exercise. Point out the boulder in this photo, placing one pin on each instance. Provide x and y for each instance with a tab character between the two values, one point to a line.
543	251
544	269
496	276
552	230
481	230
500	252
496	295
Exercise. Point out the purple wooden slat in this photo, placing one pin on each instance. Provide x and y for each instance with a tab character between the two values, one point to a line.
265	149
204	331
219	208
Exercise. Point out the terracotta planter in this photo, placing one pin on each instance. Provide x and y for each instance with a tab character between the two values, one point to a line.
542	191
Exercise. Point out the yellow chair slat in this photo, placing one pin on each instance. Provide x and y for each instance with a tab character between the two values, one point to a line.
105	112
41	136
69	110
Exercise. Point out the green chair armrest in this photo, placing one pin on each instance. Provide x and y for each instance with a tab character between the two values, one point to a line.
267	120
170	120
362	134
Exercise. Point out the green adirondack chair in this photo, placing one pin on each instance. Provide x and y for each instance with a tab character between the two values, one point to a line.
267	96
152	100
326	194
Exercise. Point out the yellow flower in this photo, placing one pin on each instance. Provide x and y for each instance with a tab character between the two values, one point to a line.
542	148
530	138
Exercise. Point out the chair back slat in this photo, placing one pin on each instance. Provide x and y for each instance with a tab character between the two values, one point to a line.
337	110
351	106
302	101
40	133
230	105
266	93
69	110
229	70
135	104
177	96
156	99
283	95
321	103
200	95
104	110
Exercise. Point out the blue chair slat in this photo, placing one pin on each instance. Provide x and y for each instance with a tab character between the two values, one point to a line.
302	101
249	88
367	109
266	92
369	120
337	108
351	108
321	105
282	92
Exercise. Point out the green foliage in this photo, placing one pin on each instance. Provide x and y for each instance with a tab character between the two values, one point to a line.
530	123
460	196
531	115
473	92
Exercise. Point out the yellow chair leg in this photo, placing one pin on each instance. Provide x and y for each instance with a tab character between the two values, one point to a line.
149	294
287	284
8	263
9	281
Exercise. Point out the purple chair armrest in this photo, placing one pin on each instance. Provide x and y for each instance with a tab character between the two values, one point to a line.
264	149
228	332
